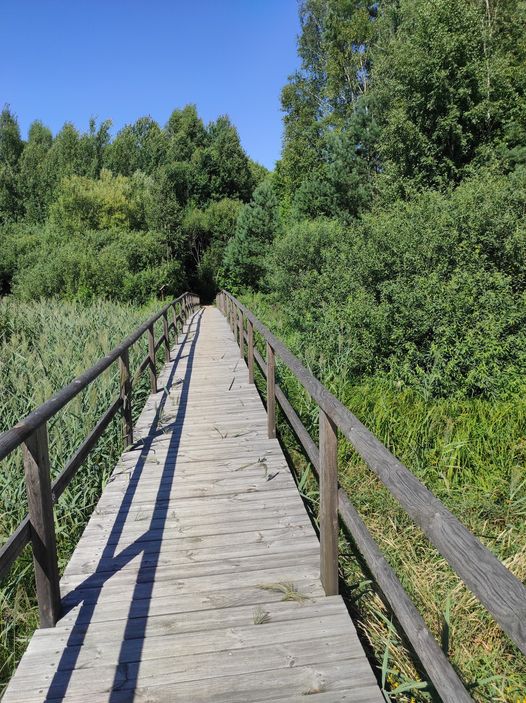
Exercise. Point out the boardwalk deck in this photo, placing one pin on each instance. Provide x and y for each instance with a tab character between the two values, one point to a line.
175	590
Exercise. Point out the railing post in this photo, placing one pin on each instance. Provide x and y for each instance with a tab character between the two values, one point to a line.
241	335
126	395
40	503
151	359
328	504
250	351
166	334
271	392
174	315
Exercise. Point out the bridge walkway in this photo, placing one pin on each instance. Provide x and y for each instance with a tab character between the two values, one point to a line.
197	578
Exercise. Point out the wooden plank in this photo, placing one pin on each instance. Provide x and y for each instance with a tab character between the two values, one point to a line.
151	360
40	505
271	395
126	396
329	530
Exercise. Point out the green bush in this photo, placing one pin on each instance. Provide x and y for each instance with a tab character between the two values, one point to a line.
431	290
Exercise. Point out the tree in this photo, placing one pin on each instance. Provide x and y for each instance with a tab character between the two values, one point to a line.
257	225
450	85
35	188
11	147
107	203
224	163
140	146
185	132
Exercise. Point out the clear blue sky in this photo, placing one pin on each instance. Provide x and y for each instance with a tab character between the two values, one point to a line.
121	59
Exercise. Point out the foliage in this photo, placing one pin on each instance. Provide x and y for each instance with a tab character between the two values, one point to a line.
256	227
175	189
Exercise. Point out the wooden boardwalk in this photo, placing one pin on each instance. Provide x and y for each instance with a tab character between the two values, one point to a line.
197	577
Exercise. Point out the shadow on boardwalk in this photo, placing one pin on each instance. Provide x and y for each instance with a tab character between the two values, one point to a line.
87	593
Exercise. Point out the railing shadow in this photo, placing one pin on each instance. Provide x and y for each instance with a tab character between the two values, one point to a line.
87	593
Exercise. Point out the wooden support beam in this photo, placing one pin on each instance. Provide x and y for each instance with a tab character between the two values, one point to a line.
40	504
271	392
126	395
166	334
250	352
328	504
151	359
241	335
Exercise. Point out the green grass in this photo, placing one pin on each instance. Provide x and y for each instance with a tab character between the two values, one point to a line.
472	454
43	346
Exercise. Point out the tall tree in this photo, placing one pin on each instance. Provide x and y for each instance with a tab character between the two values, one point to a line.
256	227
11	147
450	83
140	146
35	187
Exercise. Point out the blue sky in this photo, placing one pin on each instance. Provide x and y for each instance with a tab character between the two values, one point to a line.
121	59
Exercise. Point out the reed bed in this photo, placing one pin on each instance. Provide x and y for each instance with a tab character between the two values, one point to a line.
43	346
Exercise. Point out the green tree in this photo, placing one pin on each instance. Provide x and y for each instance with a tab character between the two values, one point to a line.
140	146
257	225
11	147
450	85
35	188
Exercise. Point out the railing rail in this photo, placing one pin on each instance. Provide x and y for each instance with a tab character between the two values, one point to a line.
502	594
37	527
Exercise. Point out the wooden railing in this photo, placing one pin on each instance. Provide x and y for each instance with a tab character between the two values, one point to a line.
502	594
37	527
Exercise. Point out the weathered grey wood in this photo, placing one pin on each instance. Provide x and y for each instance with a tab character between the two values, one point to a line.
271	395
79	457
250	351
495	586
126	396
241	335
40	505
328	504
14	546
166	337
151	360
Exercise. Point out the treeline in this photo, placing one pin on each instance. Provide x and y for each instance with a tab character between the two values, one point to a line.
392	234
148	212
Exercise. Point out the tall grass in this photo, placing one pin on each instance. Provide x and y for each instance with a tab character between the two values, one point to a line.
43	346
472	455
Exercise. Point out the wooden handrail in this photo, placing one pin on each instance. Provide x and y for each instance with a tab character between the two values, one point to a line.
503	595
31	432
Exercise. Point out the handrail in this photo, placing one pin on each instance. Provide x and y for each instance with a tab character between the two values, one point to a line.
503	595
16	435
31	432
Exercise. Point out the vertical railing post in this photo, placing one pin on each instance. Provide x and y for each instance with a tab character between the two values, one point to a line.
174	316
43	539
328	504
166	335
151	359
250	351
271	392
126	395
241	335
